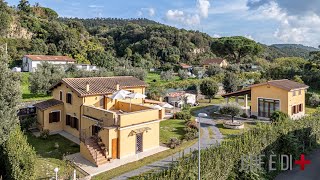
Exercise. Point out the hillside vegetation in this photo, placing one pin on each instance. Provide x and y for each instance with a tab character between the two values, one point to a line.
110	42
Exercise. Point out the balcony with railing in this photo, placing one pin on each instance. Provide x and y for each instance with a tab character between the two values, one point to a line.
122	114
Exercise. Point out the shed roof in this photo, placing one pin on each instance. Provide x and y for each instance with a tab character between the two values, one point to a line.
49	58
47	104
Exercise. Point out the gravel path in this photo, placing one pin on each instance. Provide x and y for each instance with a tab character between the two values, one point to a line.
206	141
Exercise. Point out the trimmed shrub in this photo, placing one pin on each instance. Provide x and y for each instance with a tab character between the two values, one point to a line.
278	116
44	134
191	133
184	115
244	115
173	143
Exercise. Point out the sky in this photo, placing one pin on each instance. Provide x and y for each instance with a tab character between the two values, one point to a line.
265	21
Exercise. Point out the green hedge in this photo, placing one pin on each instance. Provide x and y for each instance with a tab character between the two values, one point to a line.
223	161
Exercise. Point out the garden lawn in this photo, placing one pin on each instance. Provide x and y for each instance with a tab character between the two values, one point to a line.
50	157
171	128
310	110
231	132
26	94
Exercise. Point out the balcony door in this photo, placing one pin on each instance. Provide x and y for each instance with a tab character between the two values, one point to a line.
267	106
95	130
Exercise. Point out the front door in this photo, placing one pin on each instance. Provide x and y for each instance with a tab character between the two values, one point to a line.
139	144
114	148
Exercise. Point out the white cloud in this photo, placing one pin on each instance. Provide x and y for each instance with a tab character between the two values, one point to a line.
95	6
149	11
181	17
216	36
249	36
190	19
203	8
302	29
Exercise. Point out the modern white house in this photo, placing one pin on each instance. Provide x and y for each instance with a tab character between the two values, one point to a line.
179	98
31	62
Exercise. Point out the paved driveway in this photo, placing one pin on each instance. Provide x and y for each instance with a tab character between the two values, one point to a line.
206	141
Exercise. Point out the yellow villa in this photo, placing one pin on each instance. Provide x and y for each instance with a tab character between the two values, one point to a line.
219	61
107	128
276	95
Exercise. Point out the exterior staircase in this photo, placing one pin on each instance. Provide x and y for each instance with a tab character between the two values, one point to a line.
96	151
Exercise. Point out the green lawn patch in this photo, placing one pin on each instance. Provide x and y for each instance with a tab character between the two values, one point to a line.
171	128
50	157
155	78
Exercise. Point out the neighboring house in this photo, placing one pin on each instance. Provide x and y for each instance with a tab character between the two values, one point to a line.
179	98
219	61
31	62
185	67
107	128
276	95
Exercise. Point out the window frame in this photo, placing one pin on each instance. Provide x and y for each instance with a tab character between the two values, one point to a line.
67	97
55	121
61	95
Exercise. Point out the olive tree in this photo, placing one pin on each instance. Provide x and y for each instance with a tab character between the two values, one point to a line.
232	109
209	88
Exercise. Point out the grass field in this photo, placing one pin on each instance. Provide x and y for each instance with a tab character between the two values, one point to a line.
171	128
26	94
50	157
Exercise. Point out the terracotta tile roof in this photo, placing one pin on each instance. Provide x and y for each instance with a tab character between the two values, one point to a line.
49	58
284	84
212	61
185	66
180	93
47	104
100	85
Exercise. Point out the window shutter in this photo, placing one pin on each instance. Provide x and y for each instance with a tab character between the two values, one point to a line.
68	120
292	110
58	116
72	122
50	117
76	122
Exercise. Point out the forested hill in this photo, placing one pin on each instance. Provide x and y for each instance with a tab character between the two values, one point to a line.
297	50
111	42
111	22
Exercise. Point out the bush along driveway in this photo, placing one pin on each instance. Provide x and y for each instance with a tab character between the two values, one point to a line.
210	136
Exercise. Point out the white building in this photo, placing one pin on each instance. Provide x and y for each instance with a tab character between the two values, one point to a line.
31	62
179	98
87	67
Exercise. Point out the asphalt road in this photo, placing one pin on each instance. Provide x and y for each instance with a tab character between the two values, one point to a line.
311	171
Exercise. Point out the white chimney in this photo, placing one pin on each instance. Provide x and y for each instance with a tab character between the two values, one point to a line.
118	87
88	87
